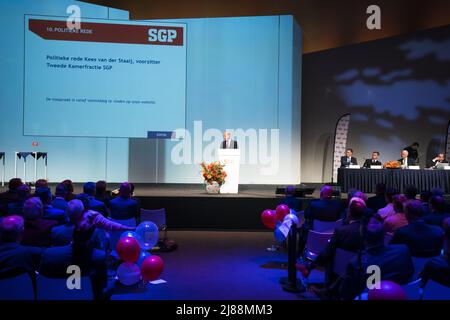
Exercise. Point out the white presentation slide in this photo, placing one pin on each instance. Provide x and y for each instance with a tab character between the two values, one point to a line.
107	78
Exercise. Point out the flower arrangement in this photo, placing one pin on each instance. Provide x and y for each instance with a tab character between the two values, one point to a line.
213	172
393	164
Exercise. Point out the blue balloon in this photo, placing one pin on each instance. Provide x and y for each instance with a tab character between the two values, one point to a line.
147	235
279	236
144	254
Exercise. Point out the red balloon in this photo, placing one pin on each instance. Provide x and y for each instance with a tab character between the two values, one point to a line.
282	211
152	268
269	218
388	291
128	249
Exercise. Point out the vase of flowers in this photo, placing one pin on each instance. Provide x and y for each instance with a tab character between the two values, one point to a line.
392	164
214	176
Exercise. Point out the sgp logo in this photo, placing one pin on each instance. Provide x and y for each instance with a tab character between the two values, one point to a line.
161	35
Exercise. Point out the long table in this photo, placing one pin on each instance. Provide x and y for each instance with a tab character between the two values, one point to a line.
366	179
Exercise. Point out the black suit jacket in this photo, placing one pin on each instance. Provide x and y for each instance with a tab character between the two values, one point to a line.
423	240
345	163
395	264
324	210
224	144
369	163
376	202
292	202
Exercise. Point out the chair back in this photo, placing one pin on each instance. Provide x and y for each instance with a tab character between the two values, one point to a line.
17	288
326	226
157	216
341	261
56	289
315	243
436	291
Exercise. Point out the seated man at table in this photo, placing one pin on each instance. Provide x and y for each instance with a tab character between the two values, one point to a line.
348	159
439	159
405	159
373	161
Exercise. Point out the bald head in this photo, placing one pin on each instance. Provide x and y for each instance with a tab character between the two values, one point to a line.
74	209
404	154
326	192
125	190
11	229
33	208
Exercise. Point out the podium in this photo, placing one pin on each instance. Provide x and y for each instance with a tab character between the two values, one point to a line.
231	158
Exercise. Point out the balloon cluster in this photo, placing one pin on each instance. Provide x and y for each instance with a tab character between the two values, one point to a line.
137	262
281	216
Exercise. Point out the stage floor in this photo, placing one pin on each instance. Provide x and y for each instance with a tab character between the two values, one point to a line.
194	190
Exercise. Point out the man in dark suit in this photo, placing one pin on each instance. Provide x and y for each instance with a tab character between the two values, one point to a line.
439	159
45	194
37	230
405	160
94	204
59	202
347	237
423	240
378	201
348	159
10	195
124	207
324	209
438	268
437	213
394	261
15	258
374	161
413	151
291	200
228	143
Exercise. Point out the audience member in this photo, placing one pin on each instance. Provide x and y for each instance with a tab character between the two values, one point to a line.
411	192
59	202
326	208
398	220
388	210
95	205
63	235
425	198
16	207
15	258
40	183
437	213
124	207
37	230
10	195
291	200
45	194
379	200
438	268
347	237
394	261
69	189
101	194
423	240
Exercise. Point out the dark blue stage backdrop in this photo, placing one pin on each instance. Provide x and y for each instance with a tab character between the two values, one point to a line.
397	89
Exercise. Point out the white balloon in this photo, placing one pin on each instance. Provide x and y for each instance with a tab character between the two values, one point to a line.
128	273
291	217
